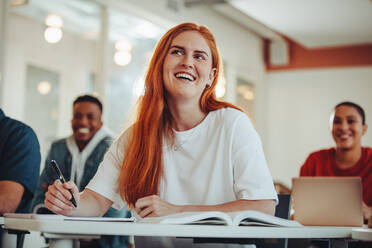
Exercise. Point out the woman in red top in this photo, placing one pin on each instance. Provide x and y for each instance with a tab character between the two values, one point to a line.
348	158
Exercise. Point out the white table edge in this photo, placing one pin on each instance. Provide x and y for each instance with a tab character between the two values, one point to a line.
139	229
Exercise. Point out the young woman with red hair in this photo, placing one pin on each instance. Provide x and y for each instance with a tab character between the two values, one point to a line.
186	151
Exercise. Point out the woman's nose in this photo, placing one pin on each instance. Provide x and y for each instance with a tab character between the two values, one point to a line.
187	61
344	125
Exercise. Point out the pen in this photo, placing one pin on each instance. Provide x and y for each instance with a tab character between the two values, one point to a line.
62	179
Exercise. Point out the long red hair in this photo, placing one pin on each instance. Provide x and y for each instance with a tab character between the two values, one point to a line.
142	165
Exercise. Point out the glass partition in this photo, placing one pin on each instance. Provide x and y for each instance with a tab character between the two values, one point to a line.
41	104
52	44
131	42
89	48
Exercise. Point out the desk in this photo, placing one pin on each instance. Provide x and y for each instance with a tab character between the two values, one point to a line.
138	229
1	221
364	234
71	228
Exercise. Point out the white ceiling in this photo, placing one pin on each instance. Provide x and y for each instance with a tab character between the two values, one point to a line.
83	17
314	23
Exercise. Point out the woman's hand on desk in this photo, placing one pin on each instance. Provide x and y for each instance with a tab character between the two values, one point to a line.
58	196
367	211
153	206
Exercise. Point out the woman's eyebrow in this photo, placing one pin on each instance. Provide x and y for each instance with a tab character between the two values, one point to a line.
201	51
196	51
179	47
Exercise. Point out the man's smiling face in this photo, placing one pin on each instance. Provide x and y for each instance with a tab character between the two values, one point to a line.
86	122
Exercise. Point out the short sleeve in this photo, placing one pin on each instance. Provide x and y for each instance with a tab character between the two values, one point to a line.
252	178
105	181
21	161
307	169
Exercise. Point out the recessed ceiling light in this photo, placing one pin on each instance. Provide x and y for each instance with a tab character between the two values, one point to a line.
53	20
122	58
44	87
53	35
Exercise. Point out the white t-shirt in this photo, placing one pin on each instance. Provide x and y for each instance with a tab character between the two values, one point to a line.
218	161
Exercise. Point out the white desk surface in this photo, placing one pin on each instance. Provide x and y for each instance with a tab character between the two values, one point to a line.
362	234
1	220
137	229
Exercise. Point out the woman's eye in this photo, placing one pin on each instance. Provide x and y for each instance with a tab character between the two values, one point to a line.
336	121
177	52
199	57
350	121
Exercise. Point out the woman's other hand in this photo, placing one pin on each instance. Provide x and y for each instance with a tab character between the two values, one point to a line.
367	211
154	206
58	197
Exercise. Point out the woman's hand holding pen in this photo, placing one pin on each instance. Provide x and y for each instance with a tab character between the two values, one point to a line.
58	197
153	206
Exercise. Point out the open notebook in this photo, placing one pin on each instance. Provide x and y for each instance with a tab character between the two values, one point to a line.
240	218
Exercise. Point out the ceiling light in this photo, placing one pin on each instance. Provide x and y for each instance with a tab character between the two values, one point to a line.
44	87
122	58
54	20
123	45
53	35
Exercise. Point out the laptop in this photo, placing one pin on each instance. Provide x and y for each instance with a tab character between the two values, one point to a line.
327	201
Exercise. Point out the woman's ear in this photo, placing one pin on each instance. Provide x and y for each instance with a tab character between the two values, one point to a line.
365	127
212	74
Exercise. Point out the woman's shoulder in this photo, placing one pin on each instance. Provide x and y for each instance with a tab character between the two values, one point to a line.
325	152
229	114
367	149
367	152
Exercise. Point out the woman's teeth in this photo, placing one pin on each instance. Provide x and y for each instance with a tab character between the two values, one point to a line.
185	76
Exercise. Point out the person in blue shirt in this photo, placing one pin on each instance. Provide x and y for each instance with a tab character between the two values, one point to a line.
19	165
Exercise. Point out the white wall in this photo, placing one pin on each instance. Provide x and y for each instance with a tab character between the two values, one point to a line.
299	104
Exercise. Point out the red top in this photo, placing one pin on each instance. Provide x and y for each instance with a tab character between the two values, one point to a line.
323	163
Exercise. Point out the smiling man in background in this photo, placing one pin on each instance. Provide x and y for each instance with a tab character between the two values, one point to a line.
78	157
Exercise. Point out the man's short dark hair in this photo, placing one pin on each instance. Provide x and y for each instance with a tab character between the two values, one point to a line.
88	98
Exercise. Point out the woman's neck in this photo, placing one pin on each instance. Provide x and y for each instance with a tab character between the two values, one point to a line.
347	158
186	116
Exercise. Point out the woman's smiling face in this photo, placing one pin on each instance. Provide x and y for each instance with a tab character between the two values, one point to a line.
347	127
187	68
